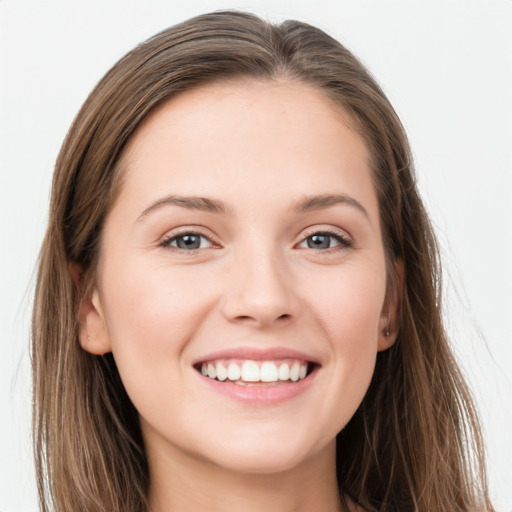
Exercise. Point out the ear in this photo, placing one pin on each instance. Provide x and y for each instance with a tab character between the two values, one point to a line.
389	320
92	328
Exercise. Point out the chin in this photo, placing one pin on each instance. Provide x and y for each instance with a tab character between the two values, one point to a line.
263	454
255	463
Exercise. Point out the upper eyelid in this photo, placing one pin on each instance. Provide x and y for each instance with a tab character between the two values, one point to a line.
192	229
330	230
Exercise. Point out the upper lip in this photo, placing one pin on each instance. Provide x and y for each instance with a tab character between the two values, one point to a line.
258	354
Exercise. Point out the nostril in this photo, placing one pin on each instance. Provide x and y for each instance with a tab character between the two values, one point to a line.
286	316
244	317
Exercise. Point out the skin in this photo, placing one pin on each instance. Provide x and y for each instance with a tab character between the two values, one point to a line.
259	148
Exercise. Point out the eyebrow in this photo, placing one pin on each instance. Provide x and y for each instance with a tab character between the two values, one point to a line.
203	204
318	202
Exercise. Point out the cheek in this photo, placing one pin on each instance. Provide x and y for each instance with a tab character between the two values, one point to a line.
349	305
152	315
349	310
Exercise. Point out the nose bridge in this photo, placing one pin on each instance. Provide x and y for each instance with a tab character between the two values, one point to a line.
261	286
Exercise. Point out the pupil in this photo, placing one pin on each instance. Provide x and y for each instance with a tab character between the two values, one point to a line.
188	242
319	242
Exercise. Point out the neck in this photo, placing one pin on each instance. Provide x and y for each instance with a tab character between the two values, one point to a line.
182	483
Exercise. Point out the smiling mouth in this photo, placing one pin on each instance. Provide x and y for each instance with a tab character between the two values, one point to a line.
249	372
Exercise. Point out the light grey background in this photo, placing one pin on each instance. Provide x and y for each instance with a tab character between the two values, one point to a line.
447	68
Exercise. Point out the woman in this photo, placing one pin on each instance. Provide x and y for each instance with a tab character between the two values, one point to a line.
238	304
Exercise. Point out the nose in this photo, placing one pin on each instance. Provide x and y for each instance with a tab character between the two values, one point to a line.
260	291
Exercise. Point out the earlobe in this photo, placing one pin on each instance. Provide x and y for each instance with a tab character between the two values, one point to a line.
386	339
390	317
92	328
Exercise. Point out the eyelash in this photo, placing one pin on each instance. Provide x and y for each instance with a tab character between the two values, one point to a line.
344	242
167	241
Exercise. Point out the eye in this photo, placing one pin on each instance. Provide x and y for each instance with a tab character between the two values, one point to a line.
325	240
187	241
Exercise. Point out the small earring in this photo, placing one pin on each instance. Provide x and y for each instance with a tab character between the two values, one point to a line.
91	336
387	333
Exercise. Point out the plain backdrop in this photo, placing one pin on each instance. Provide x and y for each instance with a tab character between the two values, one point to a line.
445	65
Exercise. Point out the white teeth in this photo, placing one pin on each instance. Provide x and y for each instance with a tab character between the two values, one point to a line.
222	373
294	372
234	372
284	372
268	372
250	372
253	371
212	373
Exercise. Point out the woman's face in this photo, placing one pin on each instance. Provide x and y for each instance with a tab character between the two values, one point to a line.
245	244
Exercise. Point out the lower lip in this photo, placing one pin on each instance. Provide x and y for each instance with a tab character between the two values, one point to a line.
260	395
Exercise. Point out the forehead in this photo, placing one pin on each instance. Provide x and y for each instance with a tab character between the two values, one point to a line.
239	138
244	104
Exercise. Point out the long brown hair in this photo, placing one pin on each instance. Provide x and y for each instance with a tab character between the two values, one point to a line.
413	444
